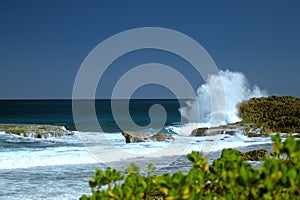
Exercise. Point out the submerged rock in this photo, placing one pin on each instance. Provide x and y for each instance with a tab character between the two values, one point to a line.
35	130
132	137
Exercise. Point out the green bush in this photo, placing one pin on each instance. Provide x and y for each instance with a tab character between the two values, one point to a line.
228	177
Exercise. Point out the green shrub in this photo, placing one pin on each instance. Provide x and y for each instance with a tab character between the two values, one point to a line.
228	177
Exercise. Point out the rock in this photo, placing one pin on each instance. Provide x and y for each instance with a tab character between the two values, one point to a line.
199	132
35	130
230	132
155	195
212	132
132	137
161	137
256	155
229	129
272	114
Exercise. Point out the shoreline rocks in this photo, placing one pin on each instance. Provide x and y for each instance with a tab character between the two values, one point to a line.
256	155
272	114
35	130
134	137
229	129
261	117
161	137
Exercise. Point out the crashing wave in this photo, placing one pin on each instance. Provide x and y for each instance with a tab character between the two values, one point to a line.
217	99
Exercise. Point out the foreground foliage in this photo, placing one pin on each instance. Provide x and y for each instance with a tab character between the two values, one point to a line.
274	113
228	177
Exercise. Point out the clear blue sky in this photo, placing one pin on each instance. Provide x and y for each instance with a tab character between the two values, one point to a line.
43	42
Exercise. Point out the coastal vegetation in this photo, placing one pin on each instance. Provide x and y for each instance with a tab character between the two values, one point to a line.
262	116
272	114
229	177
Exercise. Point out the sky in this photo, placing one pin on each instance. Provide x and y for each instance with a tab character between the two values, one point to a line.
44	42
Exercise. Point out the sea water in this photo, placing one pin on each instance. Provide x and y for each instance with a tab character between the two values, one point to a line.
58	168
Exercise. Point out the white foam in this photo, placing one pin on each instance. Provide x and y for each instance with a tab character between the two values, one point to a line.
47	157
234	86
27	157
107	147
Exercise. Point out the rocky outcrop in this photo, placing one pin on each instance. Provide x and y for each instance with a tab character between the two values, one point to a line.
155	195
251	130
199	132
262	116
256	155
272	114
35	130
132	137
229	129
161	137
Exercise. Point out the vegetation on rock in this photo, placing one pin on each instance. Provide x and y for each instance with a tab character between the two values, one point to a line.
272	114
228	177
255	155
262	116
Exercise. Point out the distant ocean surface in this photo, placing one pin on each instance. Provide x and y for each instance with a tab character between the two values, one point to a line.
59	112
58	168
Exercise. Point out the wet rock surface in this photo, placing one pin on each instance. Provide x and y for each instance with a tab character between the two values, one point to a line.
133	137
229	129
35	130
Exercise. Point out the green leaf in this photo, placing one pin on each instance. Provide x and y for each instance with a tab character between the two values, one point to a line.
133	168
150	168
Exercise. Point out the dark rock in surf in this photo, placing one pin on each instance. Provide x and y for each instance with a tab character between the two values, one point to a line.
199	132
132	137
229	129
161	137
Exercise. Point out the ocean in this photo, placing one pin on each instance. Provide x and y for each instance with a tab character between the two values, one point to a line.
58	167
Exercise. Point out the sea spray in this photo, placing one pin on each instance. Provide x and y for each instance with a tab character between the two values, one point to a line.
233	85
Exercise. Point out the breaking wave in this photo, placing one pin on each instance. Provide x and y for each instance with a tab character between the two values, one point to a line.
218	97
